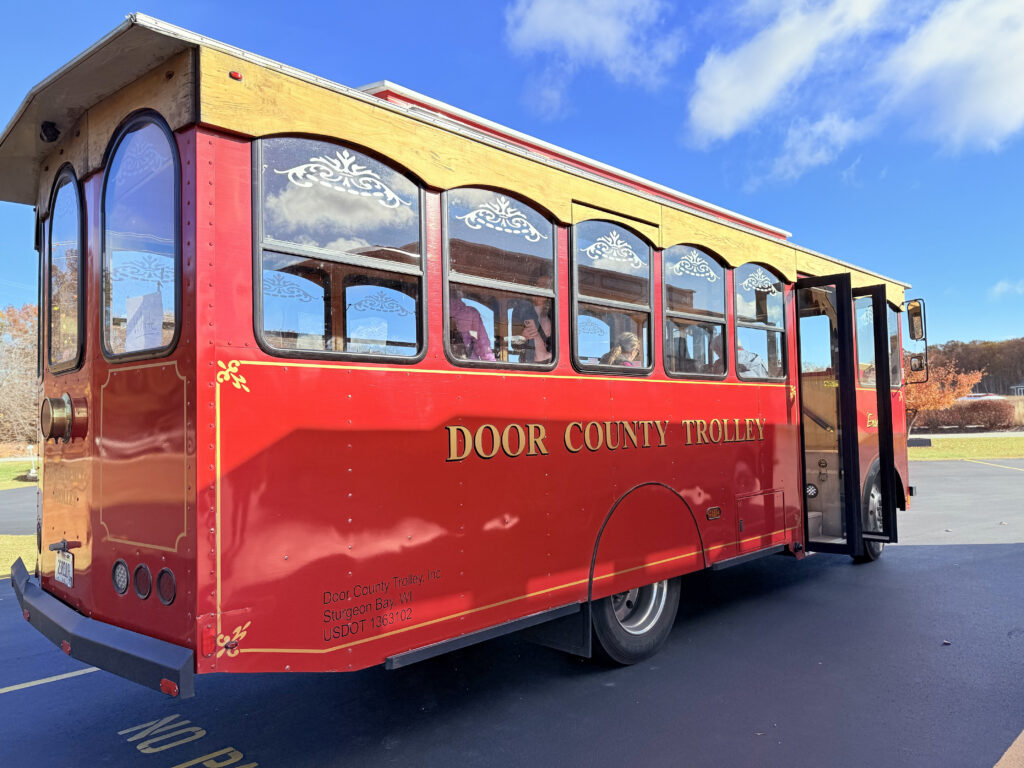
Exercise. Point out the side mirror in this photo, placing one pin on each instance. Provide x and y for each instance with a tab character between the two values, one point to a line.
916	350
915	319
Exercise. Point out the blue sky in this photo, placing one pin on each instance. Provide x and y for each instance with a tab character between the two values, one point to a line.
886	134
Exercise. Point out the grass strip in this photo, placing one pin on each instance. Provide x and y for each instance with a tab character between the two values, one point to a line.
970	448
13	547
10	471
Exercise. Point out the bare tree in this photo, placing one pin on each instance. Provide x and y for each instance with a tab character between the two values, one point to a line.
18	389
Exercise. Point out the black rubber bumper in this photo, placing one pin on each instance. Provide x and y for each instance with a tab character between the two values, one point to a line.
142	659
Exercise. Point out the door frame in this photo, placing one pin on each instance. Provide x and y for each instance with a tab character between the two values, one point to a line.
883	396
849	453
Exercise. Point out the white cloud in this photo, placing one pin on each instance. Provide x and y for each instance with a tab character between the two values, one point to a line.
734	89
809	145
320	214
1006	288
960	73
626	38
349	244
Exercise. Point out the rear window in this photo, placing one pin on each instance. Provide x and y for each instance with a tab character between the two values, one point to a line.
140	242
64	278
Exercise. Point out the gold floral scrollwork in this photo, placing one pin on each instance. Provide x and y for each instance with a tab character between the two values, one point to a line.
229	645
230	373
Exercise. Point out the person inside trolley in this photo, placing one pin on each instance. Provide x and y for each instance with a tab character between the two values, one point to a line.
625	351
534	315
750	363
469	337
747	362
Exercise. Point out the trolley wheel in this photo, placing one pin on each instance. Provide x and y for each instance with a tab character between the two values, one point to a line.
632	626
872	517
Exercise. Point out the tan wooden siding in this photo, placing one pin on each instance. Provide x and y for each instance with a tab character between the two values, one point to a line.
83	146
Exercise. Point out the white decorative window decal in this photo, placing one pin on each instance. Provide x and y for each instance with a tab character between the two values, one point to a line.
140	158
693	264
759	281
146	268
614	248
502	216
380	302
588	326
344	174
277	285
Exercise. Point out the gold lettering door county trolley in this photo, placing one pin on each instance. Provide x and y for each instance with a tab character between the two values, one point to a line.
335	378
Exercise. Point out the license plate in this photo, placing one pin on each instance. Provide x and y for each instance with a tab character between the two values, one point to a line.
65	572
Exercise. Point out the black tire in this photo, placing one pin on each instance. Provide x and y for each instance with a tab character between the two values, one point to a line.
872	511
632	626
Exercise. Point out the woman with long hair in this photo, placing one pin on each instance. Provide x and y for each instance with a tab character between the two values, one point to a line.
625	351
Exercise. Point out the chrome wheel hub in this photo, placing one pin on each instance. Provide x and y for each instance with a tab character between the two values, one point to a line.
637	610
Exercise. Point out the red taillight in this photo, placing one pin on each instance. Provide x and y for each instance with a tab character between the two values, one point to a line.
169	687
166	588
235	75
143	581
65	646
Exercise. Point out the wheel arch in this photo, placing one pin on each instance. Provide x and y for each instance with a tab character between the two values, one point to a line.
901	493
625	506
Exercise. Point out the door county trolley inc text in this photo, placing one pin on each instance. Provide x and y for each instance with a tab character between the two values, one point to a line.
335	378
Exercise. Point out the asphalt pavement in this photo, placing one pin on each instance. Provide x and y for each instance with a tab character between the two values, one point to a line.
915	660
17	513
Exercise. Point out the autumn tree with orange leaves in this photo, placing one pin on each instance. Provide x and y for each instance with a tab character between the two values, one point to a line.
18	390
945	384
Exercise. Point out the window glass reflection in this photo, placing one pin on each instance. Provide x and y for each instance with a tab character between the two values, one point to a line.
864	318
612	337
759	296
323	195
694	300
326	306
759	354
694	282
493	236
895	353
491	325
695	347
65	266
140	243
760	323
612	264
341	251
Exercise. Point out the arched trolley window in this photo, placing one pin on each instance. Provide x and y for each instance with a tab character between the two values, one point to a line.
340	265
65	313
612	281
760	324
141	293
501	278
694	313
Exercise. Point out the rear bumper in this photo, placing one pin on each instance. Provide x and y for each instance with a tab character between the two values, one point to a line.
142	659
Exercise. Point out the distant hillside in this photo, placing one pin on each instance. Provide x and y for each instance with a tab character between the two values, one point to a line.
1002	361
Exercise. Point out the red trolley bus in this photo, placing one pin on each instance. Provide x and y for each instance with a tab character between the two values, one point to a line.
335	378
